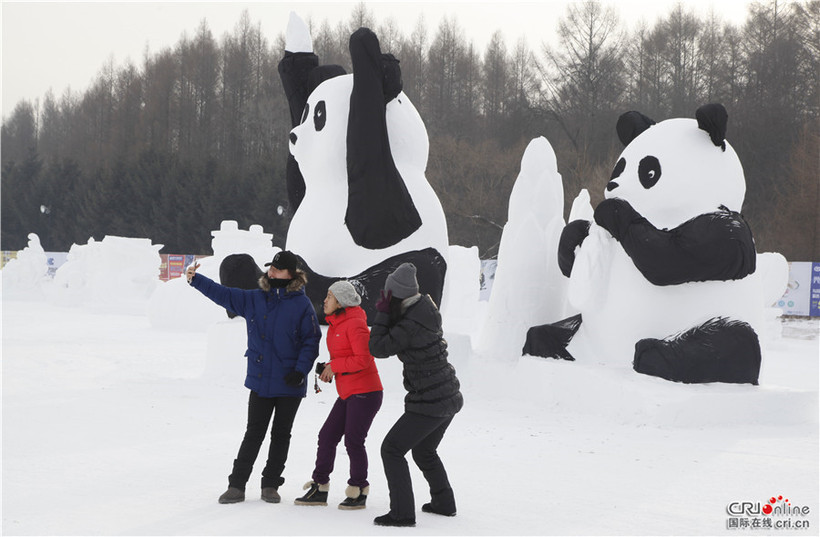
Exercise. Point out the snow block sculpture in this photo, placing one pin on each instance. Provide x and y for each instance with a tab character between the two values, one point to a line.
175	305
27	274
665	275
360	200
115	274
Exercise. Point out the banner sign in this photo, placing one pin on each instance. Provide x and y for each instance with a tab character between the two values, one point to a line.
797	300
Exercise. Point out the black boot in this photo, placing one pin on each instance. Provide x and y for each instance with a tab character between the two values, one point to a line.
316	494
442	502
356	498
387	520
429	508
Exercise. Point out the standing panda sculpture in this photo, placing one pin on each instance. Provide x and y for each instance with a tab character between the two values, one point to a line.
358	152
664	277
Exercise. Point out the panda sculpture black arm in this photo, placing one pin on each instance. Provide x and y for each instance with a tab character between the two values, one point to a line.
375	186
712	247
572	236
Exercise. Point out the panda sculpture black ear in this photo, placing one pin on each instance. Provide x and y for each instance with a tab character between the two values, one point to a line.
631	124
713	119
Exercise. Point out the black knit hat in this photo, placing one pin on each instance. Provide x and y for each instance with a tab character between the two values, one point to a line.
284	260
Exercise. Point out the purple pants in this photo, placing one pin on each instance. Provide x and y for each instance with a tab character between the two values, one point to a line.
350	418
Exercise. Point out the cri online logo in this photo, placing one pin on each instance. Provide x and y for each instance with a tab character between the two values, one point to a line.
768	509
775	506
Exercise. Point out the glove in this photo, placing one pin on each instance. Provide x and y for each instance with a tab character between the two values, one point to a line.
573	236
294	379
320	366
615	215
383	303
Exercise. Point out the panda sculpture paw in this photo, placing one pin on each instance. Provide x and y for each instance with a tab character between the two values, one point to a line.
615	215
572	237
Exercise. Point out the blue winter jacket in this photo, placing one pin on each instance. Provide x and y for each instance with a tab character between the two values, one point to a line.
283	333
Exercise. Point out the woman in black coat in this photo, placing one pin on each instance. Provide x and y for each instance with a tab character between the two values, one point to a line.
408	325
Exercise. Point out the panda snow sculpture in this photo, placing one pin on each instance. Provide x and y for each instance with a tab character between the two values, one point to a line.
664	277
360	200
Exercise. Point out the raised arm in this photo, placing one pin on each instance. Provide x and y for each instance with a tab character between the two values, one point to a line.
712	247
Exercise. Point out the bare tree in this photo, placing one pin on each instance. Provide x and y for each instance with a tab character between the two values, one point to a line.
413	57
680	54
495	91
444	56
390	38
19	133
361	17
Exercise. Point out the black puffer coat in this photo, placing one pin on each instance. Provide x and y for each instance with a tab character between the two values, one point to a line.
416	338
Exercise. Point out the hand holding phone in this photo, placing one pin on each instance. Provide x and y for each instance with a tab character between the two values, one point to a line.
191	270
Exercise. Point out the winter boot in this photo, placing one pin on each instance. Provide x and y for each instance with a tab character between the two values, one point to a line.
387	520
356	498
442	502
429	508
232	495
316	494
270	495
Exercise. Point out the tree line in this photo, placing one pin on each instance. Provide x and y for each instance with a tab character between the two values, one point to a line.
198	132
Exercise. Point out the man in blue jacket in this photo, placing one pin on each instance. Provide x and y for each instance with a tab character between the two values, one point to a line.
283	343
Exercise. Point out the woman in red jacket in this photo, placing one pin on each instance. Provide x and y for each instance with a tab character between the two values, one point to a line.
360	397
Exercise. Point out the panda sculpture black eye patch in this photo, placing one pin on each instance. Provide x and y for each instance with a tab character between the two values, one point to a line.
649	171
618	169
319	116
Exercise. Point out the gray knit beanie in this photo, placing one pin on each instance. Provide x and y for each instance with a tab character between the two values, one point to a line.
402	282
345	294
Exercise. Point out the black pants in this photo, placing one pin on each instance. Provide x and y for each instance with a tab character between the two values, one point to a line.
422	435
260	410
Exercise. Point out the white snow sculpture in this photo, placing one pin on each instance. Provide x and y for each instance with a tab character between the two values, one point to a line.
362	202
528	288
173	305
115	274
26	276
665	276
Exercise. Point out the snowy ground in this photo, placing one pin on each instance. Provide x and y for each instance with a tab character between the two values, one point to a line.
112	427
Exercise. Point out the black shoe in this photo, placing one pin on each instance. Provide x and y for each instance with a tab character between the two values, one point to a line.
316	495
232	495
356	498
387	520
428	508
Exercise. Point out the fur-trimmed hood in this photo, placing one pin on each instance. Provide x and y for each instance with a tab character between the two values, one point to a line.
298	282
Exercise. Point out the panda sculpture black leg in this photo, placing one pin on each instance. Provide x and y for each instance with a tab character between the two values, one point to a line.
241	271
719	350
551	340
430	265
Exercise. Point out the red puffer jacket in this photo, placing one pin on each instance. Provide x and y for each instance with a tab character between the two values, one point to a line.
348	341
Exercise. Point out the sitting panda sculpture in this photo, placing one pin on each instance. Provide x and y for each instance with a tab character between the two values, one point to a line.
358	152
664	277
